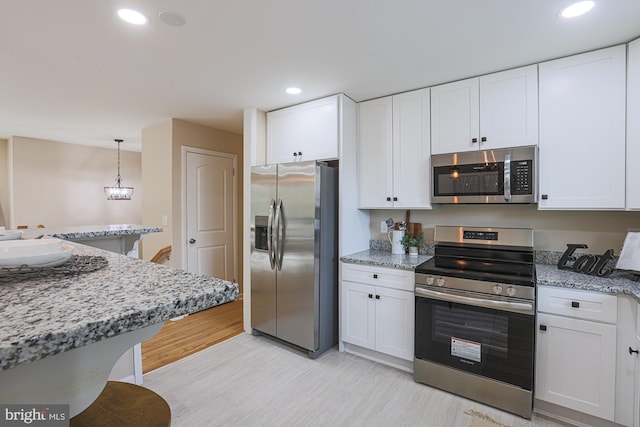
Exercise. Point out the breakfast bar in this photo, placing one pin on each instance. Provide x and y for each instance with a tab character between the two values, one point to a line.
61	335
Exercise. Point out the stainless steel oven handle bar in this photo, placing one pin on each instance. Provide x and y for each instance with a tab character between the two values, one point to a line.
519	307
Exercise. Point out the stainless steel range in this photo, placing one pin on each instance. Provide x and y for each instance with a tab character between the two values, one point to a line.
475	316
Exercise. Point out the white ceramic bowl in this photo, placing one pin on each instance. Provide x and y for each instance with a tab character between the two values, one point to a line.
29	247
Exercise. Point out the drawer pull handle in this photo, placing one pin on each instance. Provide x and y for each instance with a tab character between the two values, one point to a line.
543	327
631	351
375	276
371	296
378	297
575	304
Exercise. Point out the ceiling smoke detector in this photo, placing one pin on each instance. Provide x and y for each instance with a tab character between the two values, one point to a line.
172	18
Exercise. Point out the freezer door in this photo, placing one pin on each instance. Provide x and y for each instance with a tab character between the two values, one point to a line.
297	228
263	275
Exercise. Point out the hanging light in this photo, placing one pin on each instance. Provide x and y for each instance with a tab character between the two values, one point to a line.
118	192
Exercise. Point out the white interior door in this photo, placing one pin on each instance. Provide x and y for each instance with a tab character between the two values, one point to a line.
210	215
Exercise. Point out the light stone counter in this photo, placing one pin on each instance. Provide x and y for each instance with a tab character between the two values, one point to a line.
45	317
547	275
90	231
382	258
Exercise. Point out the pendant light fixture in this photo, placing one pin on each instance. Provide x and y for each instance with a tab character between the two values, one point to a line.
118	192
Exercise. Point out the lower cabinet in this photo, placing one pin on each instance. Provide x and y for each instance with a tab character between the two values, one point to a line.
378	309
575	365
583	362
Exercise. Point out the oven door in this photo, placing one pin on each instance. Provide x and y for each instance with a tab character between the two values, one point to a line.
492	338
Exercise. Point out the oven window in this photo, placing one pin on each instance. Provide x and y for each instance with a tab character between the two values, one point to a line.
490	330
492	343
471	180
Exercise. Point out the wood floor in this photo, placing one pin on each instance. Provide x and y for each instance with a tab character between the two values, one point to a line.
181	338
254	381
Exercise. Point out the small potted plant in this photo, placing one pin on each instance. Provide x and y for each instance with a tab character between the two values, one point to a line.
412	242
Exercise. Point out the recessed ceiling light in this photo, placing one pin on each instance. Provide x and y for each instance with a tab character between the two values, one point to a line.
293	90
132	17
577	9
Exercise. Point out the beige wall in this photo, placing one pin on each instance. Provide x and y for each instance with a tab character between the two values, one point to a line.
600	230
177	134
156	179
4	184
58	184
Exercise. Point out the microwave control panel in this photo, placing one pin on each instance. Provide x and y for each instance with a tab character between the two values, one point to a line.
521	177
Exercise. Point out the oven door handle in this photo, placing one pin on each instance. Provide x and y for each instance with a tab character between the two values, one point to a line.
519	307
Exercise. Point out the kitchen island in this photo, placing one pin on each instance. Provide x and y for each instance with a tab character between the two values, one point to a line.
119	238
60	336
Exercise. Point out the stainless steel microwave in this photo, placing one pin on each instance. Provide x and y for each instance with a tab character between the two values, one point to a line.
506	175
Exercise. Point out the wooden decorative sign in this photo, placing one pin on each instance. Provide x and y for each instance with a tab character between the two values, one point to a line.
595	265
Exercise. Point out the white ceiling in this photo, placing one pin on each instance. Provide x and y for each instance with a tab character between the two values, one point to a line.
72	71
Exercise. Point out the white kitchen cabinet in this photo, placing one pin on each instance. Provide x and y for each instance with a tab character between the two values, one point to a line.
576	356
582	131
626	360
633	125
378	309
394	151
636	413
306	131
375	153
497	110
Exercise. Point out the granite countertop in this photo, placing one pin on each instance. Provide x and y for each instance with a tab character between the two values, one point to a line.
385	259
90	231
547	275
43	317
617	283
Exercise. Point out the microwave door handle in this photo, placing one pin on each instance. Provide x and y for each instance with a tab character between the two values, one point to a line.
270	251
507	177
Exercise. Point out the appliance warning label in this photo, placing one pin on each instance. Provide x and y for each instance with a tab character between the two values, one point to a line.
466	349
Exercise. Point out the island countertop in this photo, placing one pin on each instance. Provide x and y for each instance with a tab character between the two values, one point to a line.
48	316
90	231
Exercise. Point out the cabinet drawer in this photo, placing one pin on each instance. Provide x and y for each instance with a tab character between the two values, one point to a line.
379	276
586	305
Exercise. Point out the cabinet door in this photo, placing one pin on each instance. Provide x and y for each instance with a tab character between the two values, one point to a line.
636	414
310	128
582	131
358	314
509	108
633	125
395	322
411	150
375	155
454	117
575	364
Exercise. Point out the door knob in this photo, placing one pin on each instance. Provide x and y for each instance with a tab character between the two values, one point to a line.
192	241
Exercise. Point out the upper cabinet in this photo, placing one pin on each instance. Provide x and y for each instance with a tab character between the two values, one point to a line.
633	125
582	131
498	110
394	151
306	131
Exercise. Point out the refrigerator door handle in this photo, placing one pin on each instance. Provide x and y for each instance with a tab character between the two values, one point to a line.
270	251
279	237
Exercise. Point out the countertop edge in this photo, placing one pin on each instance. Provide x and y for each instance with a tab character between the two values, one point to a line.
547	275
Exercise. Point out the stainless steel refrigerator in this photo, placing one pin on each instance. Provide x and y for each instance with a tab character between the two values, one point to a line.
294	265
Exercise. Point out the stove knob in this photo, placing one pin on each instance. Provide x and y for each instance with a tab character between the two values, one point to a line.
511	291
440	281
430	280
497	289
